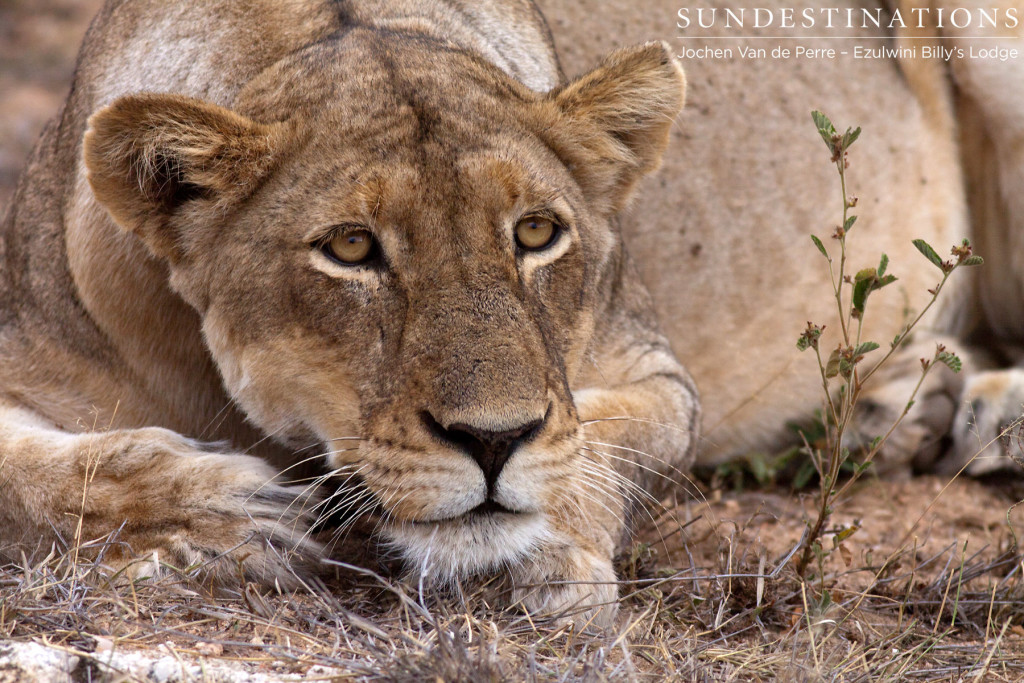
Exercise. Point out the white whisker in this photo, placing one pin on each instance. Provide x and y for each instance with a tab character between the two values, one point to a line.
649	469
645	420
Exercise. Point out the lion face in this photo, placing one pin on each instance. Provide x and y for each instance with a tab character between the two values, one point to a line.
401	258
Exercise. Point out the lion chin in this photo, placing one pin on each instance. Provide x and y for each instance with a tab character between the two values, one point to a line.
473	543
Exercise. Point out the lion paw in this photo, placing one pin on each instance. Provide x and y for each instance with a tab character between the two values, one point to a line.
919	438
173	502
987	426
570	584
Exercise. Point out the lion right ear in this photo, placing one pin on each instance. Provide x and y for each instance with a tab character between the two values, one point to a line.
151	157
611	125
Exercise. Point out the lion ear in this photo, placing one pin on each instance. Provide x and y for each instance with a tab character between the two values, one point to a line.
612	124
152	158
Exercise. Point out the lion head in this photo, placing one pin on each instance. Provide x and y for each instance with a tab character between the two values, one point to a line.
399	251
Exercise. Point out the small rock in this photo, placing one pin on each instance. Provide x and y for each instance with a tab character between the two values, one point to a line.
165	669
210	649
70	663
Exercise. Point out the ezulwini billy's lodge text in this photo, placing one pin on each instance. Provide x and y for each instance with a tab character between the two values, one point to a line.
938	51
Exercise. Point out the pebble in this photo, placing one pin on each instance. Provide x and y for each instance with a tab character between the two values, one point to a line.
165	669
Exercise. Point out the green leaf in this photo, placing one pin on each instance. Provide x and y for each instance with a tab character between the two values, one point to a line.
866	347
821	120
759	468
825	129
868	274
850	137
824	125
849	223
951	360
819	245
887	280
928	252
861	289
883	265
973	261
864	284
803	475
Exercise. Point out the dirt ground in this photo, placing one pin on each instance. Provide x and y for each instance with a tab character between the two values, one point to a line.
926	588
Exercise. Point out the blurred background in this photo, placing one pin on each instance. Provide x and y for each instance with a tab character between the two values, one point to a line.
39	40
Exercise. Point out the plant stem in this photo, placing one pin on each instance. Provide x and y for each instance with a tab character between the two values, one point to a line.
905	334
843	320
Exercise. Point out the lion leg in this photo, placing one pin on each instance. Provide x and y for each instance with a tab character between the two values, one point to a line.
636	439
148	493
640	416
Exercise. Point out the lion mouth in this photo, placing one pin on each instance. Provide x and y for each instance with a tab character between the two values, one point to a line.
488	508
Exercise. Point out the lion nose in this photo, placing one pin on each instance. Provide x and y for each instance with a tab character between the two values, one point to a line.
490	449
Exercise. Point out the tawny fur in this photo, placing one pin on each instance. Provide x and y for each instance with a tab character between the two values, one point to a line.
164	269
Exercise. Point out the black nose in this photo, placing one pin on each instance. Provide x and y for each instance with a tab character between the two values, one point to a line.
490	449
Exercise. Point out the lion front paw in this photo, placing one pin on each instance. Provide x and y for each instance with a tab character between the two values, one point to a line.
569	583
212	515
987	427
919	439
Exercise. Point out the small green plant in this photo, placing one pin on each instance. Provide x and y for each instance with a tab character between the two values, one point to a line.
843	375
790	467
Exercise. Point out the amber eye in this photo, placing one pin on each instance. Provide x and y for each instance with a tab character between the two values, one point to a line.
534	233
350	248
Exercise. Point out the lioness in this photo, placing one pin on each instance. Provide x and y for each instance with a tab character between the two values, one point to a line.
384	234
383	230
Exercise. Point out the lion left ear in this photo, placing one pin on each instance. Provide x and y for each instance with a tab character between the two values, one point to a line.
612	124
151	157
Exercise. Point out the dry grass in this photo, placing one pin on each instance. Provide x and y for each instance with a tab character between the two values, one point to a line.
709	593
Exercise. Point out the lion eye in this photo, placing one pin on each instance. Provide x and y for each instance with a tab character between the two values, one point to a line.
534	233
350	248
